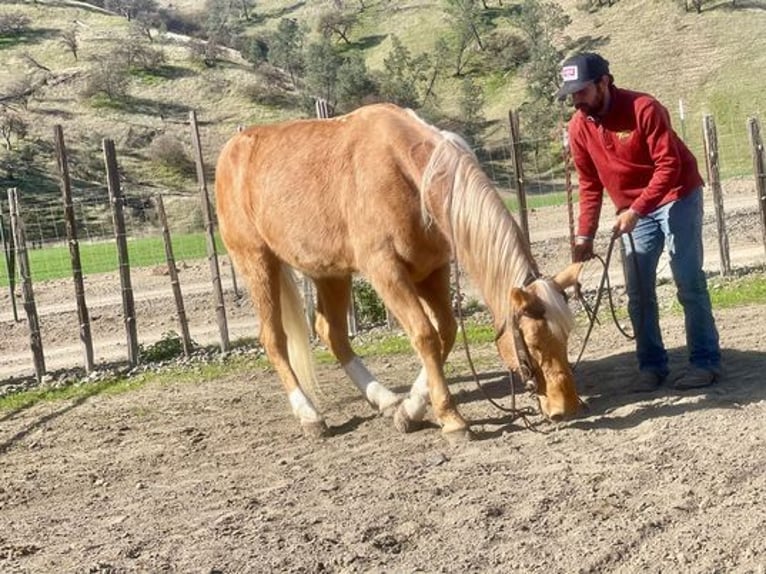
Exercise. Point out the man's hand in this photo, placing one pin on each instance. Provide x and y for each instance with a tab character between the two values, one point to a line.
583	249
626	222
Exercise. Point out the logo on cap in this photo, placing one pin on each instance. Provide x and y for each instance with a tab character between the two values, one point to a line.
569	73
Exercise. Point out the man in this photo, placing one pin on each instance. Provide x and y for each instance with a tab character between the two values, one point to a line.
622	142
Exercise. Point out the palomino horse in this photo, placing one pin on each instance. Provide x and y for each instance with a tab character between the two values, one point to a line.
381	192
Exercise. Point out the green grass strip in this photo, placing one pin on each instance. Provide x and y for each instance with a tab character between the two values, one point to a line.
101	257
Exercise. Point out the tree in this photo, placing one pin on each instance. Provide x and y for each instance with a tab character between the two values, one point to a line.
542	23
246	7
471	104
70	40
467	26
11	124
130	9
403	75
222	24
107	75
322	66
337	22
354	84
286	49
136	53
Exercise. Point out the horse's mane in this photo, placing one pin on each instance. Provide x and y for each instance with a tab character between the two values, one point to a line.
487	241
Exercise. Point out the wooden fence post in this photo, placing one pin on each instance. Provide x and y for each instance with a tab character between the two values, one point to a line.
324	111
74	248
35	339
173	273
10	265
117	201
759	170
712	161
518	170
212	254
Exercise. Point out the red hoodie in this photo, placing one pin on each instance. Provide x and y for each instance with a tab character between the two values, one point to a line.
633	153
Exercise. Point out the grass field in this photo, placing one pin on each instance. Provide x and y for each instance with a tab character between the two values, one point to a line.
101	257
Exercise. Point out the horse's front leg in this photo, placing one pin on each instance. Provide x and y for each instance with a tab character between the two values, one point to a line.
399	293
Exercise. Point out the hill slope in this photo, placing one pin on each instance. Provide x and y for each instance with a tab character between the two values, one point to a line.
712	62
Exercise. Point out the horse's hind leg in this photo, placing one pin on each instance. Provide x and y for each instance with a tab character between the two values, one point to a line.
262	271
334	296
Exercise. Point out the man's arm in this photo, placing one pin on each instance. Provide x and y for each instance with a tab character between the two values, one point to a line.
654	123
591	194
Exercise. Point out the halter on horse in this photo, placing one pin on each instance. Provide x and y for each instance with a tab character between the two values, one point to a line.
380	192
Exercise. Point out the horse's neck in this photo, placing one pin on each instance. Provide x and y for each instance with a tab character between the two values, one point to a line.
487	240
495	265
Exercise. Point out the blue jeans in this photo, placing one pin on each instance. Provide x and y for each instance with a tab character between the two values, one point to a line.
678	227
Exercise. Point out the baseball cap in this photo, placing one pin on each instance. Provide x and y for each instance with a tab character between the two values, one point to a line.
579	70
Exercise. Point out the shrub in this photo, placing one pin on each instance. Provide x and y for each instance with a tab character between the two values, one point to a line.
168	151
13	23
168	347
370	310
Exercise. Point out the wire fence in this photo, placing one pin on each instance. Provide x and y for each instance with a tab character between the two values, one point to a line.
545	177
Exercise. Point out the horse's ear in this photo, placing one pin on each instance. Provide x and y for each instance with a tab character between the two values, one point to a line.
525	303
569	276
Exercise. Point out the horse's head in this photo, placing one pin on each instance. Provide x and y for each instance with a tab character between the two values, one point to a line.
534	340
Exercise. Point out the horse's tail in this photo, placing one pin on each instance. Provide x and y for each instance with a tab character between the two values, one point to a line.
297	330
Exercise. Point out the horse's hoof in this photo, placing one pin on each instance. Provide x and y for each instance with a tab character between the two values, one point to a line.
389	410
314	429
403	423
459	436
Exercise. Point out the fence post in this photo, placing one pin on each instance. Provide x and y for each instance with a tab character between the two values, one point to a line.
212	255
173	273
74	248
117	201
324	111
518	170
712	160
759	170
35	339
10	265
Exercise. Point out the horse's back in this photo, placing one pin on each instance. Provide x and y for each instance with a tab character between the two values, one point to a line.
321	193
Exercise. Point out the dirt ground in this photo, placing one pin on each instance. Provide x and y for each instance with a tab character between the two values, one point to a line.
215	476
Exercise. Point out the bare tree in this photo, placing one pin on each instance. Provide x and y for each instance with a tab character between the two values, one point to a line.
70	40
11	124
336	21
108	76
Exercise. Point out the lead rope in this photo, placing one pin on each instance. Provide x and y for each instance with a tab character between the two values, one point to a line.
516	413
592	312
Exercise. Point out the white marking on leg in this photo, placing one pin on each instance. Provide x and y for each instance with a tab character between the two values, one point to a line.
302	407
415	404
377	395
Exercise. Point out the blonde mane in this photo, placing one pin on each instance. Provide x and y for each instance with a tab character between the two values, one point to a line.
485	237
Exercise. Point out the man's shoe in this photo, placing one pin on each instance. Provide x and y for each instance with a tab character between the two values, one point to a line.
695	378
646	382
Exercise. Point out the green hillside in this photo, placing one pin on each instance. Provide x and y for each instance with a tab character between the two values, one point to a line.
712	62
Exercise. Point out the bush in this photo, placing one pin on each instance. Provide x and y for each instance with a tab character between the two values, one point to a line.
370	310
107	76
168	151
168	347
12	23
